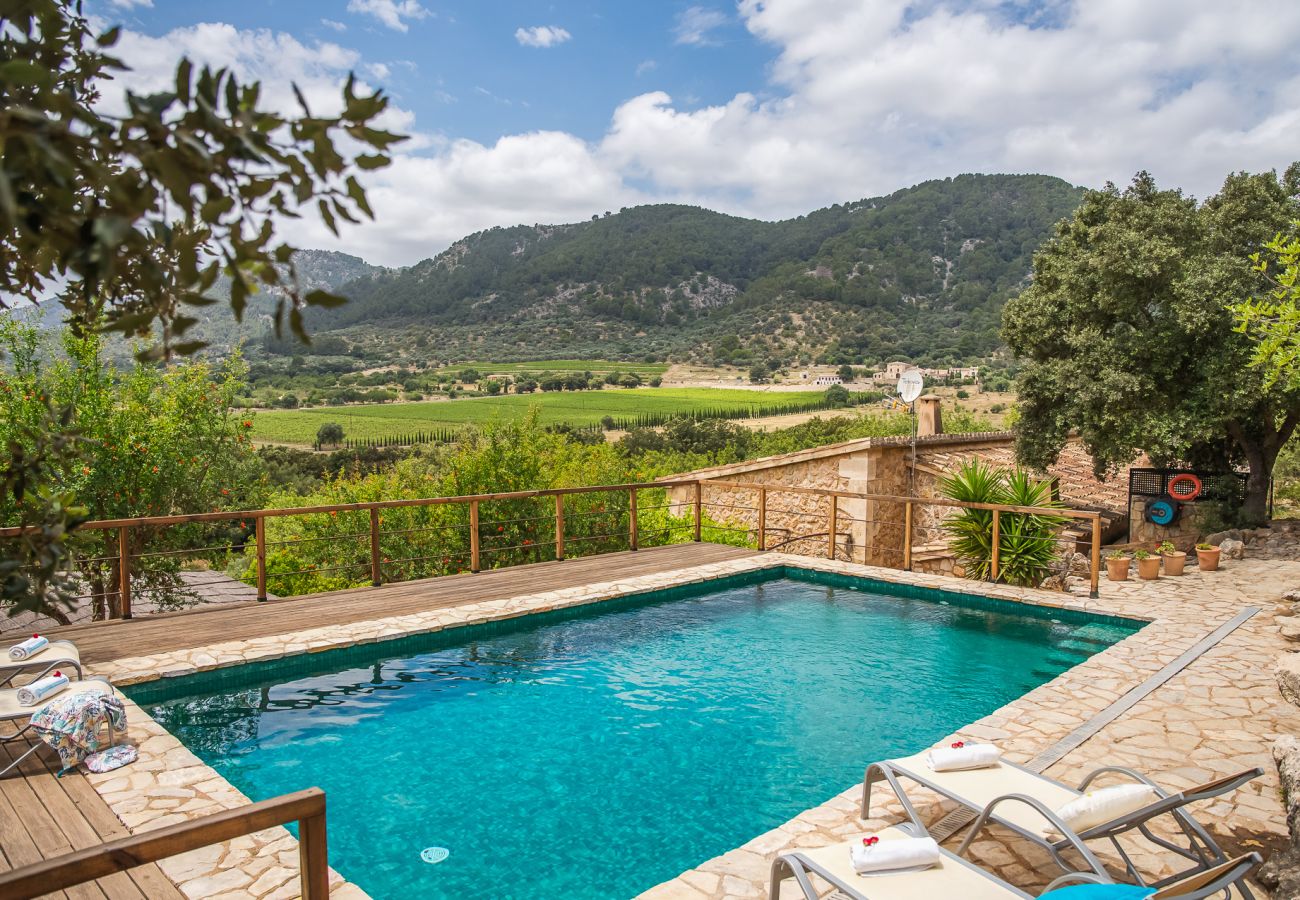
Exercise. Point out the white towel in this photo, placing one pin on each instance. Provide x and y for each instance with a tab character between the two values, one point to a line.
971	756
42	688
29	647
895	855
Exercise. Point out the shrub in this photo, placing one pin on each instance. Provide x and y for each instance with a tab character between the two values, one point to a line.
331	434
1027	542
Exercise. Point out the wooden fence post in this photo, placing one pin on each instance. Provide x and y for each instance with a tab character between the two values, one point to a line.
1094	573
313	858
907	536
633	536
124	572
473	536
259	525
762	518
699	508
376	569
835	515
997	546
559	526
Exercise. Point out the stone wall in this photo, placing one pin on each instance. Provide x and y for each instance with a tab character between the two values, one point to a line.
1185	530
867	531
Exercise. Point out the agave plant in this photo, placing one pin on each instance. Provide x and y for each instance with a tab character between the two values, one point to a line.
1027	542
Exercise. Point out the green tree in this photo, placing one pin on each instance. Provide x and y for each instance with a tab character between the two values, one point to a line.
132	218
492	386
329	434
1124	334
129	220
846	372
1273	320
151	442
837	395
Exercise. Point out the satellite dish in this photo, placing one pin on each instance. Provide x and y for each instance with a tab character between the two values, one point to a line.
910	385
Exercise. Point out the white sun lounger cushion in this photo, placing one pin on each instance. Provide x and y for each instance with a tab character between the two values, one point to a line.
894	855
1105	805
949	878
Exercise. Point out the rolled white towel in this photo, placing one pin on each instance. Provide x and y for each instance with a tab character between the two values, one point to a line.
967	756
42	688
29	647
894	855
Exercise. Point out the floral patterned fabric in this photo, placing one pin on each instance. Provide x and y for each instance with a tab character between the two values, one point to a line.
112	758
74	725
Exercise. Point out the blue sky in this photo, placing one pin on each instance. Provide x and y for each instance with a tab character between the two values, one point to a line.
524	112
463	72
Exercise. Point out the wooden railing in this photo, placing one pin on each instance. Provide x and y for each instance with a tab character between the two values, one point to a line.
307	808
690	509
833	515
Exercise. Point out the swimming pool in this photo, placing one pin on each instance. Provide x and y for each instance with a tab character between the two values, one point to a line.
594	753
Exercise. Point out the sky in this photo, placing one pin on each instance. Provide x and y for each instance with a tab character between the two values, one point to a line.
534	112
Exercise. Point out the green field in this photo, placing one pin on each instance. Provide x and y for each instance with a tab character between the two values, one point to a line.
366	422
594	366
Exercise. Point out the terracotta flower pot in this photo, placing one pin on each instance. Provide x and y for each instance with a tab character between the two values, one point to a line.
1149	568
1208	559
1174	563
1117	569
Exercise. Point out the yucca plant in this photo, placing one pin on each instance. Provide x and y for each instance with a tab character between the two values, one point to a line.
1028	541
970	531
1027	545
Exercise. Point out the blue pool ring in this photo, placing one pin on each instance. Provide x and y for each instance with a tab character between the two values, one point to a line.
1162	512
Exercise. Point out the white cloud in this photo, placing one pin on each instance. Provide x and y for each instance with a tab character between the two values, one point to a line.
694	24
861	99
131	4
380	71
336	26
542	36
392	13
646	66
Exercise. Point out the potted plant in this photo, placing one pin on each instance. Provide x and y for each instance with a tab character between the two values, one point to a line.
1148	565
1207	556
1174	558
1117	565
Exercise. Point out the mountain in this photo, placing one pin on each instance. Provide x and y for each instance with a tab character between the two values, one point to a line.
326	270
921	273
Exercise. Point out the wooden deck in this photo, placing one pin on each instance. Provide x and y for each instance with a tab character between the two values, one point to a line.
43	817
103	641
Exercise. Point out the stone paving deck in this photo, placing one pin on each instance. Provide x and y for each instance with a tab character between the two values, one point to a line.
1217	715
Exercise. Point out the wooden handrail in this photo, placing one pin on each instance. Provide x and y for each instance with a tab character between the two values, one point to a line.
307	808
696	502
224	516
896	498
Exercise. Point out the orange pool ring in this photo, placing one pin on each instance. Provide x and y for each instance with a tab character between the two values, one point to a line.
1185	487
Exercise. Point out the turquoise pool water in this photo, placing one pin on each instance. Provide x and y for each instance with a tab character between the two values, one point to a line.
595	754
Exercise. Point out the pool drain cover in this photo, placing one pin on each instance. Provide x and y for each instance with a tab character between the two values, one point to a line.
434	855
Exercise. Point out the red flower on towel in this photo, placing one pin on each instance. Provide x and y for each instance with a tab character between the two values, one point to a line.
36	635
58	674
958	745
868	841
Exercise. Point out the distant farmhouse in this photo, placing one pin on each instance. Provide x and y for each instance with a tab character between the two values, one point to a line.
893	370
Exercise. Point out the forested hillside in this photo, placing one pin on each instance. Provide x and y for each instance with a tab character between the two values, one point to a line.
922	273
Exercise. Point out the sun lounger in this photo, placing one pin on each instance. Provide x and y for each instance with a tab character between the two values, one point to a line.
955	877
1024	801
12	711
54	655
